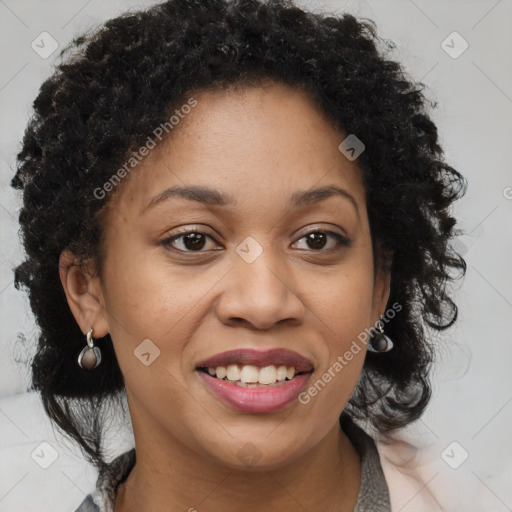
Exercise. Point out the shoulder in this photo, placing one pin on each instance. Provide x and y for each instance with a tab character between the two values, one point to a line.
374	491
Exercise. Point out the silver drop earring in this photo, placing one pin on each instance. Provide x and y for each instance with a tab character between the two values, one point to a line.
379	342
90	356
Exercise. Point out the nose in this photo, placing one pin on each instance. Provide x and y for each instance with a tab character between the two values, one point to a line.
260	294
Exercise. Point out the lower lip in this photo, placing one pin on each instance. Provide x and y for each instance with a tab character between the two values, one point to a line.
256	399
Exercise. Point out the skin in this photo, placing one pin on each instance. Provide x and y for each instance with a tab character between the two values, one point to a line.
258	144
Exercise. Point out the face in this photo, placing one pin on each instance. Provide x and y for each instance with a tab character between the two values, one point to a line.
248	277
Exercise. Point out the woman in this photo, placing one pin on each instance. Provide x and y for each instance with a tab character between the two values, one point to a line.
236	214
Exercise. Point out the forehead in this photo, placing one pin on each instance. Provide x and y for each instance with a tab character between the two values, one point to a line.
258	144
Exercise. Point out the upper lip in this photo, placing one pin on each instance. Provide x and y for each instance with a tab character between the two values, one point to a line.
277	356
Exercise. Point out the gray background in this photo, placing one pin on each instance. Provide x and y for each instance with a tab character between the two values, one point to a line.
472	382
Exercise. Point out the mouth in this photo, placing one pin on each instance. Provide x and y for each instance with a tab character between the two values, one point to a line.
250	376
255	381
252	368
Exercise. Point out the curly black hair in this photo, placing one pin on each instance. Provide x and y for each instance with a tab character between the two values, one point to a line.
117	83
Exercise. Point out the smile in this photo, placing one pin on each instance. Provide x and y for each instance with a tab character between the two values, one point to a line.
255	381
251	376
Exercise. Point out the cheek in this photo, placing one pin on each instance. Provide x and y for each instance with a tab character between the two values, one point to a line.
343	299
345	306
145	299
345	312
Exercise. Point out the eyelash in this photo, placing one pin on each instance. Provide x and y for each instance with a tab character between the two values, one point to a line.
341	240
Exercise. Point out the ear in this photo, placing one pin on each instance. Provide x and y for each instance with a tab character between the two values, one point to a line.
381	288
83	293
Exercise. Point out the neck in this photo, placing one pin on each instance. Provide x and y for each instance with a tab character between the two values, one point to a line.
325	478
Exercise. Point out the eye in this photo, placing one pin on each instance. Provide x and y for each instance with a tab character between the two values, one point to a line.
192	240
318	239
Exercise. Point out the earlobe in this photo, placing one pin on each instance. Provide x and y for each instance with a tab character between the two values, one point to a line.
83	295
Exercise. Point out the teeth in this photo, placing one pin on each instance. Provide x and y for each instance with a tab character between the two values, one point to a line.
282	372
268	375
233	373
249	374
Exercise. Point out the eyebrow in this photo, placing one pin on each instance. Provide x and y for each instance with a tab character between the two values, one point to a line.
212	197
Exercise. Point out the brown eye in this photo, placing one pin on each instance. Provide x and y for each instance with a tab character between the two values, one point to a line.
194	241
188	241
318	240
